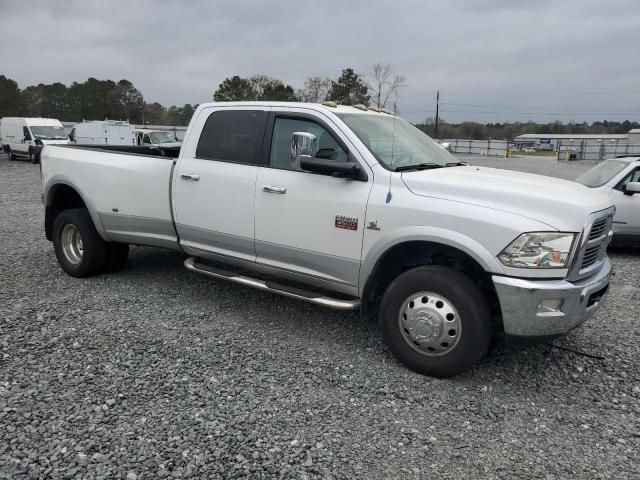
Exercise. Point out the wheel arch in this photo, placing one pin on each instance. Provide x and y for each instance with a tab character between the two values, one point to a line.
418	246
61	195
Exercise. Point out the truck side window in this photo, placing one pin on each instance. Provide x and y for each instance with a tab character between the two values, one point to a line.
26	133
232	136
146	138
283	129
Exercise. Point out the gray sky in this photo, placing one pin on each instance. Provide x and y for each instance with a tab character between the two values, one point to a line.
500	59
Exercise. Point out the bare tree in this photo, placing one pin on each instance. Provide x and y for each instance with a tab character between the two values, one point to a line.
384	84
315	89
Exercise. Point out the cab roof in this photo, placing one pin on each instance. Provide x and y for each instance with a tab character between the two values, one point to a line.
325	107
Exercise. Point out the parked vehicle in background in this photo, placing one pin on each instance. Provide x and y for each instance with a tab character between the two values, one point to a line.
346	208
25	137
446	145
103	132
619	178
161	140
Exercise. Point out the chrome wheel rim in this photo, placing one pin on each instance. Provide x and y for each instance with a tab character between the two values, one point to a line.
72	246
429	323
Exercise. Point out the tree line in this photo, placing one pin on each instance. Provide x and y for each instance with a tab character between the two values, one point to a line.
90	100
349	89
510	130
105	99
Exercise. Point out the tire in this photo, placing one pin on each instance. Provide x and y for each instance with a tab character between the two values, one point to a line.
117	255
12	156
32	157
78	259
446	335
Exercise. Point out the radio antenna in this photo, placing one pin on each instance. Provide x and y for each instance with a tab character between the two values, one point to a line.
393	140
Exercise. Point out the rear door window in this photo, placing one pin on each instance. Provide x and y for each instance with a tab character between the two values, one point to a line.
232	136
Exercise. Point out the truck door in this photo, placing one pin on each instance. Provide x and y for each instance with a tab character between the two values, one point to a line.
306	222
214	182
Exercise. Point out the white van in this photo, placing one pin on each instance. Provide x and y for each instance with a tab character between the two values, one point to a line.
107	132
25	137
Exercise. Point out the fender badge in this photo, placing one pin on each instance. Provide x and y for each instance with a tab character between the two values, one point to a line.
373	225
347	223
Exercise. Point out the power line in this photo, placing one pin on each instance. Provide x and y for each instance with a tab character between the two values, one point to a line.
522	107
523	94
589	114
510	112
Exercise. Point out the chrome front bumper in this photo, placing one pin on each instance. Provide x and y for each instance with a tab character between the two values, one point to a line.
520	300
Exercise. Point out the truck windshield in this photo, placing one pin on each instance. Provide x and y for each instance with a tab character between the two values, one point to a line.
162	137
396	143
602	173
49	133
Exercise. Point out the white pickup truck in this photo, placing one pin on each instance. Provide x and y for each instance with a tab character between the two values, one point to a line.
348	208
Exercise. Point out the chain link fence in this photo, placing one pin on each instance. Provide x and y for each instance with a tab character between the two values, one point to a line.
594	150
493	148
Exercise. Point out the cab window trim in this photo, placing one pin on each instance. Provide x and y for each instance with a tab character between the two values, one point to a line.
268	139
621	183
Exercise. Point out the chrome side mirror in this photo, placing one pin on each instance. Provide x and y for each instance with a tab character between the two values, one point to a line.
303	144
632	188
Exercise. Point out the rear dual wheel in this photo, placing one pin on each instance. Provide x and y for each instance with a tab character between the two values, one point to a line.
80	250
435	320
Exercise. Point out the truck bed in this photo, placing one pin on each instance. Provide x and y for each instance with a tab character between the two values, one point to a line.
126	189
162	152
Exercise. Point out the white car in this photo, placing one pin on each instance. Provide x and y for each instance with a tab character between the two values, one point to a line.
619	178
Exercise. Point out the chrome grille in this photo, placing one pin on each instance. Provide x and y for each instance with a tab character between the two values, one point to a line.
590	256
592	249
598	229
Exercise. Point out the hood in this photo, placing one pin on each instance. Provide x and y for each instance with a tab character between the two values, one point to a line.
561	204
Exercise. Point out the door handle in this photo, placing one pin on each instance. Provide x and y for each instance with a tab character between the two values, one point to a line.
274	189
194	177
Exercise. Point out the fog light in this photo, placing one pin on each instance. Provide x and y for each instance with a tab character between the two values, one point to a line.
550	305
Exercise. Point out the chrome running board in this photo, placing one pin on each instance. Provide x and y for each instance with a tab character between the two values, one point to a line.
194	265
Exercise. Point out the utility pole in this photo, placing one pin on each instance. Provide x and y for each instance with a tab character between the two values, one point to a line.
437	111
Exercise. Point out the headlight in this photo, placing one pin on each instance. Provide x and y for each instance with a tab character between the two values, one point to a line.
539	250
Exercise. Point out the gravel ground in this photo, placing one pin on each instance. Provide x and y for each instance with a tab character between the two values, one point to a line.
156	372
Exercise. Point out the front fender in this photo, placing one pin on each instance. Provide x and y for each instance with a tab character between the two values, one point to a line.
450	238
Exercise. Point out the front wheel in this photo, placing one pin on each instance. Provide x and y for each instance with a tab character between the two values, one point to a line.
435	320
80	250
12	156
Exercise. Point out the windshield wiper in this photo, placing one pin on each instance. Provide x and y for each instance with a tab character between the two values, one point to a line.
456	164
418	166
